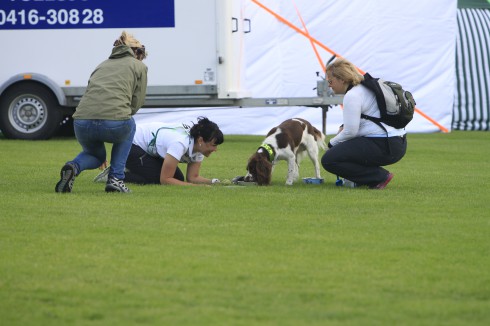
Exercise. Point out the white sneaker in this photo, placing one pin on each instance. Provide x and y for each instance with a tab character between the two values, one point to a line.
349	184
102	176
346	183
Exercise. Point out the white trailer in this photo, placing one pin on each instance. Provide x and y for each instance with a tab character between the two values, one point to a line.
196	57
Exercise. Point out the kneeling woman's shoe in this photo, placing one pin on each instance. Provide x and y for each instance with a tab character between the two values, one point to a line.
116	185
67	177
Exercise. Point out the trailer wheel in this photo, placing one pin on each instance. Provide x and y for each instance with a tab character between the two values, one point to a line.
29	111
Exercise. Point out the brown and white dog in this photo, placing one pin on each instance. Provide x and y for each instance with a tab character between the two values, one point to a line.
290	141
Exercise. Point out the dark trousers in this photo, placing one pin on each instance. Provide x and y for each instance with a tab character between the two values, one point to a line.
360	159
143	168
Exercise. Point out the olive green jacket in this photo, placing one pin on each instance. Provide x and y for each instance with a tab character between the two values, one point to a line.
116	89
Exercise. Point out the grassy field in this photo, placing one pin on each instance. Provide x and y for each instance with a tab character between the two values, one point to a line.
416	253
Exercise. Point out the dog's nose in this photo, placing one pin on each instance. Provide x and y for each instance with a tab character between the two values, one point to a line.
248	178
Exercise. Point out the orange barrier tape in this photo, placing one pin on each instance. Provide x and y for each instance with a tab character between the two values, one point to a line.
320	61
289	24
314	41
441	127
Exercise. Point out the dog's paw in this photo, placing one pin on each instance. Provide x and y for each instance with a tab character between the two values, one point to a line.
289	182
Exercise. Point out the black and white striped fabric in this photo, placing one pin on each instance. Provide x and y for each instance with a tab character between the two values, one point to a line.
472	97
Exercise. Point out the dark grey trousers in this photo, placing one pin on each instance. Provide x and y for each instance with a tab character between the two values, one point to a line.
361	159
143	168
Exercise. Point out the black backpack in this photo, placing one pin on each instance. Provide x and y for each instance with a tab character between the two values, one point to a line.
395	104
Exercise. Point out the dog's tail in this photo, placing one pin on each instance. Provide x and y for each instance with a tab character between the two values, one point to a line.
320	139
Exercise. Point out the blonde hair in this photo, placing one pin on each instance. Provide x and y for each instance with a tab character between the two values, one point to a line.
129	40
345	70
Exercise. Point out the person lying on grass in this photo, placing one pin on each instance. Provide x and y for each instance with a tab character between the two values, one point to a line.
158	148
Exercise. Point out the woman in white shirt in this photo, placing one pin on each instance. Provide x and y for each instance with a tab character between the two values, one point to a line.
158	149
360	149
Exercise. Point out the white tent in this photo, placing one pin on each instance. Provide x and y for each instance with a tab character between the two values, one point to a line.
408	41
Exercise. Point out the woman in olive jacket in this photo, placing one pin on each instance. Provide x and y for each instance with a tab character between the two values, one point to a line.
115	92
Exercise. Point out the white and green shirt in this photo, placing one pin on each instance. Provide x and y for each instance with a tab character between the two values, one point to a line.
159	139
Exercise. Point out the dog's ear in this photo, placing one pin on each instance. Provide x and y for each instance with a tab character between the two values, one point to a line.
251	175
264	171
251	164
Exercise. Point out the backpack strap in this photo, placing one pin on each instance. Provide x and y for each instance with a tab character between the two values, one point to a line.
376	121
373	85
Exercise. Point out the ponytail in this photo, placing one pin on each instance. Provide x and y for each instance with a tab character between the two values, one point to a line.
208	130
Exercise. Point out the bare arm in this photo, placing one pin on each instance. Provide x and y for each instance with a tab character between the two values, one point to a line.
168	171
193	174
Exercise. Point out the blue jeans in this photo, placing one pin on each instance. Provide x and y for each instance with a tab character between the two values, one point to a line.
92	134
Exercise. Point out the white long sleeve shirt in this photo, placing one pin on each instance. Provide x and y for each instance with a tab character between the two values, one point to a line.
356	101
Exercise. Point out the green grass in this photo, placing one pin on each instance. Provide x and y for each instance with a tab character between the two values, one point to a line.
416	253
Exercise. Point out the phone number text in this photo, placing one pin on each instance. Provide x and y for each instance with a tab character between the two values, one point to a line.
52	17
